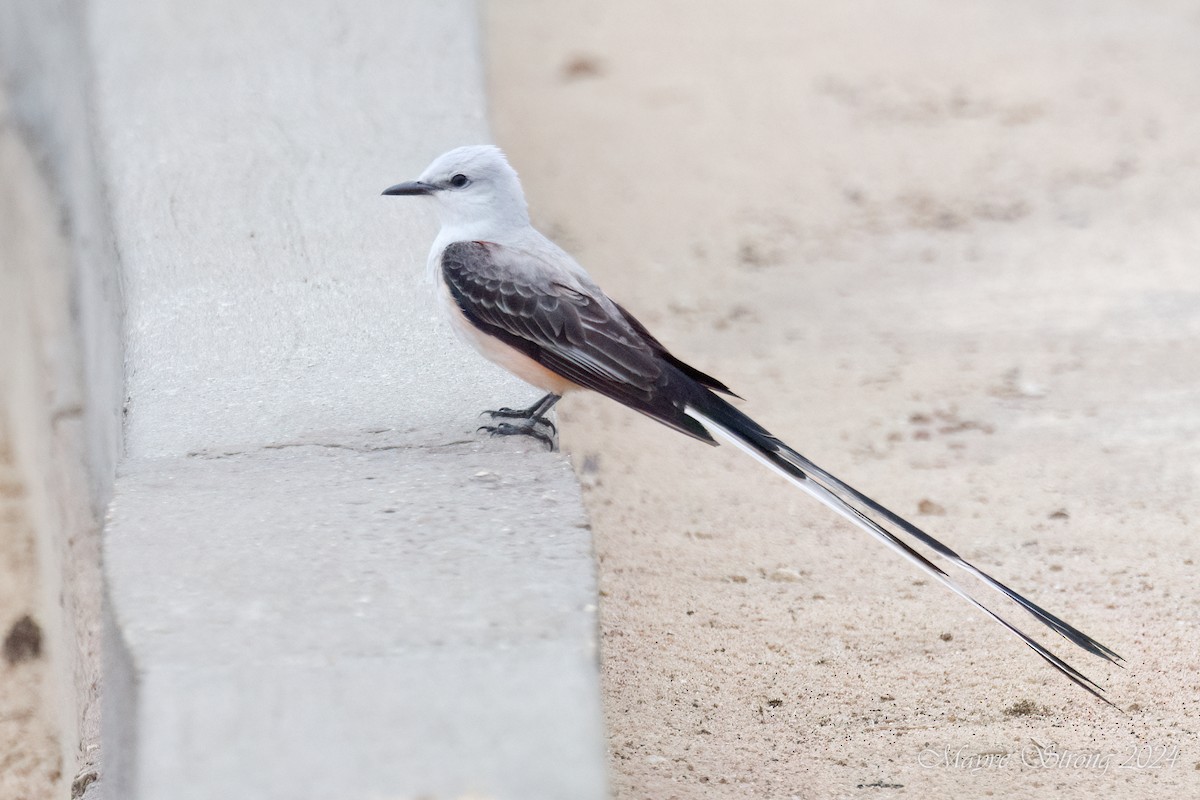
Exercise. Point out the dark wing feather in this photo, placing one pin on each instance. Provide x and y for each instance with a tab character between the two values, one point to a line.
707	381
586	339
592	341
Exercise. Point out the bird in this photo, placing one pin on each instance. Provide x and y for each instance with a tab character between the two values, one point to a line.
524	303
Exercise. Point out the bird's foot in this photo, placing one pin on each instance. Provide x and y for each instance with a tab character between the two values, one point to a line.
522	414
524	426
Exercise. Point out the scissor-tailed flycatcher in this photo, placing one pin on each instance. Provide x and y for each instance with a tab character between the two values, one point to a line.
522	302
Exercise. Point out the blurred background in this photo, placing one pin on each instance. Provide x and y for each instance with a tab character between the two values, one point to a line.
950	251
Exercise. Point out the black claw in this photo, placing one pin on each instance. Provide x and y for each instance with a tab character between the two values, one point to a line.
530	418
527	429
508	413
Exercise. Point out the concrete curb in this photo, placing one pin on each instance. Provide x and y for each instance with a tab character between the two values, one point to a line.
320	581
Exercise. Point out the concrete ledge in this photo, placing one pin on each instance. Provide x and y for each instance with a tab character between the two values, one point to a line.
321	582
363	619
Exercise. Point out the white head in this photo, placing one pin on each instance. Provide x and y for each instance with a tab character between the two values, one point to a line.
473	186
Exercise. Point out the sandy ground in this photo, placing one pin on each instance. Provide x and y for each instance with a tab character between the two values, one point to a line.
49	658
951	252
30	760
29	756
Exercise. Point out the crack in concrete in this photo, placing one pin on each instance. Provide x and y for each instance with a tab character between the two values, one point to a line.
330	445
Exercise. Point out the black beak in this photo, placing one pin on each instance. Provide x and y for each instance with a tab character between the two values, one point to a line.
411	188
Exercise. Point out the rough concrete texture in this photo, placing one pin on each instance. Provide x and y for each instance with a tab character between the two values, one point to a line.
321	581
949	251
289	296
356	618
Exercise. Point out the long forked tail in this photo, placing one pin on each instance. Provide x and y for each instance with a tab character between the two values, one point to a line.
743	432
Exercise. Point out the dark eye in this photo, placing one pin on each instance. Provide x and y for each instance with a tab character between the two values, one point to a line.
459	181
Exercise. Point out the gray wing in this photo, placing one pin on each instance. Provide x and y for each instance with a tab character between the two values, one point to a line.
574	332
